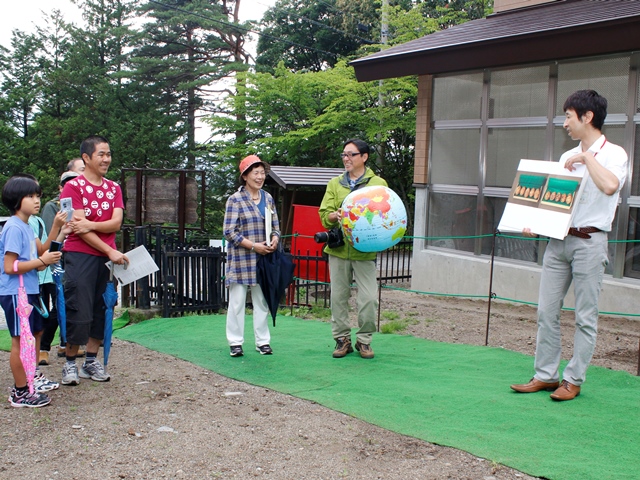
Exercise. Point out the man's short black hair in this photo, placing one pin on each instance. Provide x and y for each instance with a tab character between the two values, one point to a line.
584	101
89	144
361	145
18	187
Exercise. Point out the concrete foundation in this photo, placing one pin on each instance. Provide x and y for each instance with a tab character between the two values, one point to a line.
444	271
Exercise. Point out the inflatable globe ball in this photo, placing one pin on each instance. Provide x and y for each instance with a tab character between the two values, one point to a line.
373	219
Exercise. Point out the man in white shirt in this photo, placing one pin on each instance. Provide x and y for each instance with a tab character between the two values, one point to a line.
582	256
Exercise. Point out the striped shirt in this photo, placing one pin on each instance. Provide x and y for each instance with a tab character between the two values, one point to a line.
242	219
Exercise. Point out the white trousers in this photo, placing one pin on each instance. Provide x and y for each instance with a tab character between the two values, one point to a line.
235	315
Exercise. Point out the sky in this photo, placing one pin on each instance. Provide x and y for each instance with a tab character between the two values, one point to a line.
25	14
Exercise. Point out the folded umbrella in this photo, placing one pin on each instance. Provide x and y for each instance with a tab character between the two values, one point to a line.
110	297
58	273
27	341
274	274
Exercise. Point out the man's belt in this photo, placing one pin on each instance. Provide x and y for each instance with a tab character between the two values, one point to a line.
583	232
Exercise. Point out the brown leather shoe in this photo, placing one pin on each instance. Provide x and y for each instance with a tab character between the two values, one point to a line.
343	346
43	358
62	351
364	349
566	391
535	385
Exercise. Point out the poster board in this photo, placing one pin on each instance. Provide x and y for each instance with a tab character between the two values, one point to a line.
543	198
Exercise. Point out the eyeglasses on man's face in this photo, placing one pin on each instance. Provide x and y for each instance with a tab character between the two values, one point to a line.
349	154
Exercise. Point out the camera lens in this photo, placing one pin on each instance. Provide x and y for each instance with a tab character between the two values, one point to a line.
321	237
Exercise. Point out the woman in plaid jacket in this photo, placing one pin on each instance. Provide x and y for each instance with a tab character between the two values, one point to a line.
244	229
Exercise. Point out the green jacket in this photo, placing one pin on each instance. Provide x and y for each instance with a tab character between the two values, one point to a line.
337	190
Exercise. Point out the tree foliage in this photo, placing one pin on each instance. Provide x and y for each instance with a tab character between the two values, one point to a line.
143	86
307	35
303	119
65	82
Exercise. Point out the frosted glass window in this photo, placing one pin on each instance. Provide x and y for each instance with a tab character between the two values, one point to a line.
506	147
506	245
635	181
454	157
452	216
523	92
562	142
632	257
607	76
457	97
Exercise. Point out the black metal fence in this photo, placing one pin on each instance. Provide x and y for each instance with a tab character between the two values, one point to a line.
190	278
191	274
311	285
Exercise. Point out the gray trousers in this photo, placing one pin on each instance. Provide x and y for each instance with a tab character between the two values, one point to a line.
364	271
584	262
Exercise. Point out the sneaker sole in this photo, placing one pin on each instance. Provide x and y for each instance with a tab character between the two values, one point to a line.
263	353
82	374
24	405
236	354
71	382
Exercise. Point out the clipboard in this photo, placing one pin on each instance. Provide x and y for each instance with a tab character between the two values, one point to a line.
140	265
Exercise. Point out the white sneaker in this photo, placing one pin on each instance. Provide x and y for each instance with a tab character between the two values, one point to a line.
94	371
70	374
42	384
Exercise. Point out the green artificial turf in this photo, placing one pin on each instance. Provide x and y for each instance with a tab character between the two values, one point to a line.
5	338
455	395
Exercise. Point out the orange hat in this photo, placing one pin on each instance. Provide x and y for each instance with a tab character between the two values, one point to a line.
249	161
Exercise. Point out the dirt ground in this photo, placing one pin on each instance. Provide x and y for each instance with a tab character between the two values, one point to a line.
160	417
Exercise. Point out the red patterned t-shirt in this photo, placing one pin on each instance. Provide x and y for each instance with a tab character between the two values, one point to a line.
98	203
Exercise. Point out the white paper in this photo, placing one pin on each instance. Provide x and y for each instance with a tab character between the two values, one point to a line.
538	214
140	265
267	224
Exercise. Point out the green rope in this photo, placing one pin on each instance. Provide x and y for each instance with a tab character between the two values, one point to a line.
467	237
486	297
435	293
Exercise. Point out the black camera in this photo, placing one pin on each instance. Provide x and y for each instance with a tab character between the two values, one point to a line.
334	238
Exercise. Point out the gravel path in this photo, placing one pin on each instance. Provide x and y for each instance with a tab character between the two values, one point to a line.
161	417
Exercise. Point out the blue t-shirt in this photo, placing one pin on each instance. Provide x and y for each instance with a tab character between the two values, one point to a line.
38	227
18	237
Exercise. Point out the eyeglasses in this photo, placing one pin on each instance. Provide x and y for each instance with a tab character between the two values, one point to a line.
349	154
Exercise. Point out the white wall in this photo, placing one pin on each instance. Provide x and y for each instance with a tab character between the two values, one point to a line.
446	271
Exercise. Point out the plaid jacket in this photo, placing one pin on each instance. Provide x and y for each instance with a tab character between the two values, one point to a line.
242	219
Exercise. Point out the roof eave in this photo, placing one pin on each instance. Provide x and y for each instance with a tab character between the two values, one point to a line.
585	40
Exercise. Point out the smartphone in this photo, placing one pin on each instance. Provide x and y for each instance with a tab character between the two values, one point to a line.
66	206
55	246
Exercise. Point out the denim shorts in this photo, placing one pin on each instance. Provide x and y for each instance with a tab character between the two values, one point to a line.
9	304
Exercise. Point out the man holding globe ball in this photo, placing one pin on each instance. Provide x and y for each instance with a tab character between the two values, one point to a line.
345	261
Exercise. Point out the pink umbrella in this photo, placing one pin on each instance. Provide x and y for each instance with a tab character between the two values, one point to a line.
27	341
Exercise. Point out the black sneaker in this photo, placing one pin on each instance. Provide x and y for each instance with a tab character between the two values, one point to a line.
264	350
236	351
29	400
